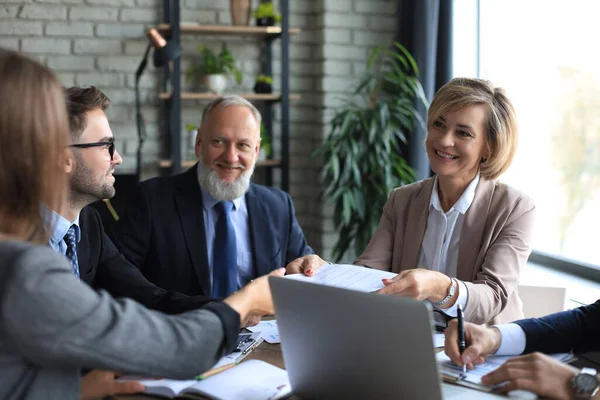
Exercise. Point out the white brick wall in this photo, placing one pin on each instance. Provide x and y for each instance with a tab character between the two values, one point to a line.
101	42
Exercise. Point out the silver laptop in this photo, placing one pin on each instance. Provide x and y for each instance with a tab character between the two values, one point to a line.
342	344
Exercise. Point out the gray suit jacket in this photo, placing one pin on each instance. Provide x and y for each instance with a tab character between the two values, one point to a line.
52	326
495	242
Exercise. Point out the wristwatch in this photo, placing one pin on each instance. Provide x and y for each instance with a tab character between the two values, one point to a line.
451	292
585	384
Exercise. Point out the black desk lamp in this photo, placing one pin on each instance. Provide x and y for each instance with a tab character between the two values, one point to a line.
164	52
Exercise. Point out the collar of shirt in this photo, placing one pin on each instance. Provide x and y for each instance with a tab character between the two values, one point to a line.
464	201
61	226
209	201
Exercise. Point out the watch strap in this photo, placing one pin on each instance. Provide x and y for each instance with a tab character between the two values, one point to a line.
451	291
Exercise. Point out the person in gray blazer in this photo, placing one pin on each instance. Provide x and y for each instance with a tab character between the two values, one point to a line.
52	325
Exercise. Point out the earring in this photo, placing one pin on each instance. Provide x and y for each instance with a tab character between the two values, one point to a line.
483	160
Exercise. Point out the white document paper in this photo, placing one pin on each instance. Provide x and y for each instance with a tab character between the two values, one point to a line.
438	339
268	331
448	368
347	276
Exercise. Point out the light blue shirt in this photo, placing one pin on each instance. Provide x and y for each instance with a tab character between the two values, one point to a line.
61	226
239	219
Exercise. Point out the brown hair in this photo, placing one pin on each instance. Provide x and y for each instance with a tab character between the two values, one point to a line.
500	125
33	136
79	102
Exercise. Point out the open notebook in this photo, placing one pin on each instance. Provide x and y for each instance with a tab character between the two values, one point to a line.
250	380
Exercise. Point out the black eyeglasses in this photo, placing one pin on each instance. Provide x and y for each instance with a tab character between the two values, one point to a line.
110	144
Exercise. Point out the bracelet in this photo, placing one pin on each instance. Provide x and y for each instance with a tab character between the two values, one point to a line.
451	292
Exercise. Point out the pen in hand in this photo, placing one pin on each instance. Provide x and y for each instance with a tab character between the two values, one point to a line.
462	344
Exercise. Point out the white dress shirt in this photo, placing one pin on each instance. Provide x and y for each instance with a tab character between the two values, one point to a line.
239	219
513	340
439	250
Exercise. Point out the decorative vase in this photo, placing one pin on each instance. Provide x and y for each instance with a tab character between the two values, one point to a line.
215	83
240	12
266	21
263	87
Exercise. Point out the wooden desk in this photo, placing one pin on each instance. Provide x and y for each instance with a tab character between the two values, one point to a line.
270	353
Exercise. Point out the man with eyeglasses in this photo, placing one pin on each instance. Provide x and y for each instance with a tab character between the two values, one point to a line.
78	231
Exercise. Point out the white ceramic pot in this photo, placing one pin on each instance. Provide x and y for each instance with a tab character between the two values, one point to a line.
215	83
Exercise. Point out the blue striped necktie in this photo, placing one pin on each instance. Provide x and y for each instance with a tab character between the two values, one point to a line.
71	253
224	266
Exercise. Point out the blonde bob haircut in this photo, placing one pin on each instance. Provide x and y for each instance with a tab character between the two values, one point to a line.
34	133
500	125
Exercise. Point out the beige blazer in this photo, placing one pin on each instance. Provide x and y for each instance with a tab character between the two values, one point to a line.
495	243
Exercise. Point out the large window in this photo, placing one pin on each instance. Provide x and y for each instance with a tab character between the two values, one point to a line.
545	54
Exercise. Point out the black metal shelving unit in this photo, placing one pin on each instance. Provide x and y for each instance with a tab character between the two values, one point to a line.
172	96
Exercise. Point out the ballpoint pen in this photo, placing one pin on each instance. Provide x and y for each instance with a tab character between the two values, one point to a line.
462	344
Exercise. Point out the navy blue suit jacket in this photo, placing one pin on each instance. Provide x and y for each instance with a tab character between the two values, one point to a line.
576	330
163	234
102	266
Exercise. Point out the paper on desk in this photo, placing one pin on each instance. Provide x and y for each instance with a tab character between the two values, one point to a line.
236	357
438	339
449	369
268	331
347	276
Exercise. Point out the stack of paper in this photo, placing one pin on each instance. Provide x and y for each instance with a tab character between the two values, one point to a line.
268	331
347	276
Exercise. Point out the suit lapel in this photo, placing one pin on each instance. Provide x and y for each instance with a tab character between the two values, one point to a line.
83	256
189	204
472	230
415	228
264	237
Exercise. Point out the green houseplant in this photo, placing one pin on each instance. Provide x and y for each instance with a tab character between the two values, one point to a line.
265	14
265	141
263	84
215	67
362	161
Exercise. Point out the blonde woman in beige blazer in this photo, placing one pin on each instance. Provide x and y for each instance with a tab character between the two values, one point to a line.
460	237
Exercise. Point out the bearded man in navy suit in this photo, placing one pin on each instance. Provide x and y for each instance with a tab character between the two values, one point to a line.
171	228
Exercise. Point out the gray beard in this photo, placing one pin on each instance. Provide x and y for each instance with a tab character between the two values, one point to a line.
222	190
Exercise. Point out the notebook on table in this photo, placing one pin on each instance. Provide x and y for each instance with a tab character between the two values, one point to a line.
250	380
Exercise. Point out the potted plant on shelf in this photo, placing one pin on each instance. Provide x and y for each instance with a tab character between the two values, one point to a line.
362	161
263	84
215	68
265	14
265	144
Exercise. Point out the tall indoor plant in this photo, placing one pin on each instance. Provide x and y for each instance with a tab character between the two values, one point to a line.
362	161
